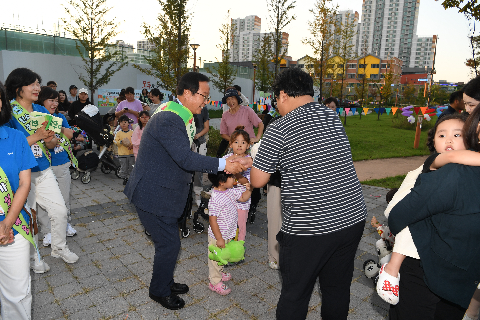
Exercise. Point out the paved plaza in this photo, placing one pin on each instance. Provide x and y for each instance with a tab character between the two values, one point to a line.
111	278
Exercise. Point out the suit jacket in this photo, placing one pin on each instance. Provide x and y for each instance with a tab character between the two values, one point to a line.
159	182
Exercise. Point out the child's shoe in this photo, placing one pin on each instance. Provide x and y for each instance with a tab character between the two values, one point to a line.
273	265
220	288
70	230
47	240
388	286
226	276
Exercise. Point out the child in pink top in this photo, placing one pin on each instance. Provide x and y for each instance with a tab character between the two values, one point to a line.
143	118
223	223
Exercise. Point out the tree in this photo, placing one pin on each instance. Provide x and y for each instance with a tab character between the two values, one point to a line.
321	40
279	19
469	7
224	73
170	38
409	94
87	23
344	48
263	58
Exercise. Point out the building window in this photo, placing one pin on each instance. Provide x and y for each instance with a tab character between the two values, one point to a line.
351	75
375	65
374	76
361	76
362	66
352	65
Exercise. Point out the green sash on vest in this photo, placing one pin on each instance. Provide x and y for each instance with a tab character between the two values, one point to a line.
23	117
183	113
6	199
64	142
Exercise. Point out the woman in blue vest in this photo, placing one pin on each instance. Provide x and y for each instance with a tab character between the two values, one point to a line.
62	158
23	87
16	160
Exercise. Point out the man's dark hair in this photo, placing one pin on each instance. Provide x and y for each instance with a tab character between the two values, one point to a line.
129	90
294	82
330	99
433	131
191	81
157	93
123	117
237	87
470	132
19	78
6	111
62	91
472	88
457	95
51	82
221	176
45	94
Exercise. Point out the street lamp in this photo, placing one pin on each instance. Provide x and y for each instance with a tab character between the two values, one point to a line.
194	47
254	71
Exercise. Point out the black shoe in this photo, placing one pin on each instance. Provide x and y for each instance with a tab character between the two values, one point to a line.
251	213
125	180
172	302
179	288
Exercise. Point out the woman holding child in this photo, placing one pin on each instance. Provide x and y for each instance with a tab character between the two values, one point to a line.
440	268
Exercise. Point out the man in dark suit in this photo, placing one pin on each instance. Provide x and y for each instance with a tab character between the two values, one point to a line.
159	183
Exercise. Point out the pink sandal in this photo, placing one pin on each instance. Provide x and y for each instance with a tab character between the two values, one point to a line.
220	288
388	286
226	276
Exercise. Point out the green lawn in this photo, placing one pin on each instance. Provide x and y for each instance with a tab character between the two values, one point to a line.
389	183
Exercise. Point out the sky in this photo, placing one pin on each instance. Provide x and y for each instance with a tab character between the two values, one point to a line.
452	28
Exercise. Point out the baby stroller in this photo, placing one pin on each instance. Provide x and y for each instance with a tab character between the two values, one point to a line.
91	122
372	267
198	227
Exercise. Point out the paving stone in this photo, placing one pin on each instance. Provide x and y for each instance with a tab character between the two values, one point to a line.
67	290
90	313
113	307
59	279
47	312
76	304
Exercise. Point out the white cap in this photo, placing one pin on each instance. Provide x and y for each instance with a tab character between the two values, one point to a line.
83	90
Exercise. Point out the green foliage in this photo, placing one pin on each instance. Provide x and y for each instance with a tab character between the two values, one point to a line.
263	57
279	19
401	122
87	22
409	94
215	113
223	74
214	139
170	37
469	7
389	183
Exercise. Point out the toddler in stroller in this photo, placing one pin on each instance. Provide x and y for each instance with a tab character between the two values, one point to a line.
91	122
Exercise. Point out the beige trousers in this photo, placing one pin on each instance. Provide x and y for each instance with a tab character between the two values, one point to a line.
274	217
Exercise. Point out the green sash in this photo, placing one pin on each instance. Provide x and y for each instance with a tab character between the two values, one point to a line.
23	117
183	113
6	198
64	143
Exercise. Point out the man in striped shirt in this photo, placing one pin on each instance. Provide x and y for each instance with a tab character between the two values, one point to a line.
322	201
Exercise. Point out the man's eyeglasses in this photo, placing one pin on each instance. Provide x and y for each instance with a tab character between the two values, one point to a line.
205	98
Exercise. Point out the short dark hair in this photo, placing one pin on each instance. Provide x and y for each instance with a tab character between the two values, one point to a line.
191	81
433	131
472	88
221	176
294	82
329	100
6	111
238	88
144	89
62	91
123	117
470	132
157	93
390	194
19	78
457	95
45	94
140	124
129	90
51	82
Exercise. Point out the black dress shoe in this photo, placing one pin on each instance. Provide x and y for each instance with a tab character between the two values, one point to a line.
179	288
172	302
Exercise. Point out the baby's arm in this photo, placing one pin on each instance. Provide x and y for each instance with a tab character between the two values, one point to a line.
241	179
247	194
216	231
466	157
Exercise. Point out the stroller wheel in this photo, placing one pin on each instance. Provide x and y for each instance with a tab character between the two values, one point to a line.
105	169
86	178
117	173
198	227
185	232
370	267
75	175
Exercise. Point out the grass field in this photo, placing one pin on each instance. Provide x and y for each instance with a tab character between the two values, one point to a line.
389	183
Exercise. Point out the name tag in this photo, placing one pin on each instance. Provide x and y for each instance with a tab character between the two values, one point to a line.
37	152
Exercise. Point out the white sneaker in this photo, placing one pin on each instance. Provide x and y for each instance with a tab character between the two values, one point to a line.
70	230
47	240
273	265
39	266
65	253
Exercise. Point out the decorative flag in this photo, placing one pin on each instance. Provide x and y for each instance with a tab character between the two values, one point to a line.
424	110
353	111
365	110
388	110
382	110
347	110
416	109
376	110
340	110
394	110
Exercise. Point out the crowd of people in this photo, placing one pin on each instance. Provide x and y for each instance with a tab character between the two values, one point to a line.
161	146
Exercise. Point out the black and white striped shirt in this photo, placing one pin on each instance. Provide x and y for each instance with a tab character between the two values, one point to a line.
320	189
